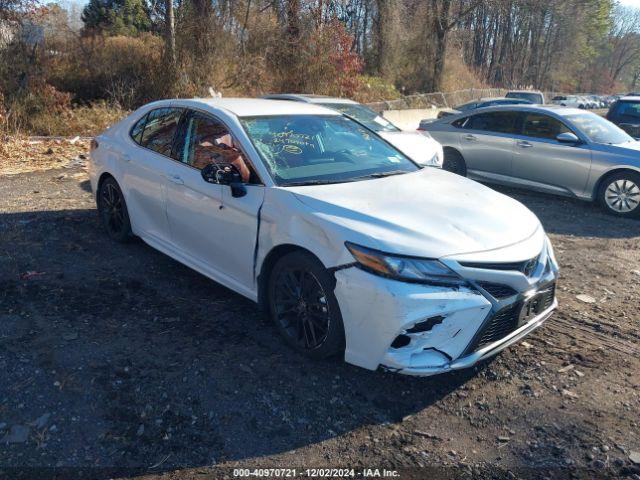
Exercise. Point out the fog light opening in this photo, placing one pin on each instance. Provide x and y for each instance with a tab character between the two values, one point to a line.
426	325
401	341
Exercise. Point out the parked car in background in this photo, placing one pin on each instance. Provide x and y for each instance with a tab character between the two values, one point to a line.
569	101
351	247
559	150
481	103
534	96
625	113
420	147
596	101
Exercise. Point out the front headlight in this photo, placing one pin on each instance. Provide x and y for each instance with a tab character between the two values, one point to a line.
406	269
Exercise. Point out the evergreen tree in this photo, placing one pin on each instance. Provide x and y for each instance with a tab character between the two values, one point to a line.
116	17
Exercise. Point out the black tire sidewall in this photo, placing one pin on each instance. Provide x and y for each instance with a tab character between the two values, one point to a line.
454	163
631	176
125	234
334	343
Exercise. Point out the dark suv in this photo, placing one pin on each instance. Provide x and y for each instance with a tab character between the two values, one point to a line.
625	113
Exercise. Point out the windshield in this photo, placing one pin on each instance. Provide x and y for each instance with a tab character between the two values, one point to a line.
598	129
364	115
532	97
313	149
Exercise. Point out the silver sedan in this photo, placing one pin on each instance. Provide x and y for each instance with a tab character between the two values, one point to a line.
559	150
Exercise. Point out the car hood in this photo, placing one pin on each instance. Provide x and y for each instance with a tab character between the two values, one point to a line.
430	213
420	148
624	149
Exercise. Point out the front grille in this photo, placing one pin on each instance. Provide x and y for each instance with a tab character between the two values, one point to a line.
502	324
497	290
549	295
505	321
527	267
631	129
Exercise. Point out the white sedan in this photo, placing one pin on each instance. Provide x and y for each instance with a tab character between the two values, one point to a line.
352	248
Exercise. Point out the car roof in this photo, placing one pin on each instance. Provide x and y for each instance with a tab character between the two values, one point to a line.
630	98
308	98
250	107
556	109
524	91
502	99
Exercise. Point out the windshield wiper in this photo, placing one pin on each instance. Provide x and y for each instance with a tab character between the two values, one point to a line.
313	182
347	180
381	174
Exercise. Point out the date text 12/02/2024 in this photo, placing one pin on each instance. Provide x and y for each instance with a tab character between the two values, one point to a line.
315	473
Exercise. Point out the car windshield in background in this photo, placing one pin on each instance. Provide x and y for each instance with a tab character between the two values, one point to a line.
598	129
532	97
364	115
316	149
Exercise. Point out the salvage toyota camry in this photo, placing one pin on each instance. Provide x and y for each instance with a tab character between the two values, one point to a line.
350	246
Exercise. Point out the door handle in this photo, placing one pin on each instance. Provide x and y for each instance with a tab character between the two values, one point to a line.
176	179
524	145
471	138
126	157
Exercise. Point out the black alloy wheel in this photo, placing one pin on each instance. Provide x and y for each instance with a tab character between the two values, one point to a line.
303	306
113	211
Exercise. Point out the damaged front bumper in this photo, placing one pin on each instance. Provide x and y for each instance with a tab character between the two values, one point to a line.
418	329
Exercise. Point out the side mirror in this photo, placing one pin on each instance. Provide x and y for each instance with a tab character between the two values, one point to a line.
568	137
225	174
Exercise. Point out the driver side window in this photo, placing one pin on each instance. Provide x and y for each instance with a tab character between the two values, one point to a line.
208	141
543	126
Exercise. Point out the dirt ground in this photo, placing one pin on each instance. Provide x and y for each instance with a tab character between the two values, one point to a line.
116	361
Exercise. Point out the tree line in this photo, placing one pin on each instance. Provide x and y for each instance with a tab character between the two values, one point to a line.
132	51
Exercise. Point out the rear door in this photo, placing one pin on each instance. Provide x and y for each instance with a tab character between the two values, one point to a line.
144	171
486	140
541	162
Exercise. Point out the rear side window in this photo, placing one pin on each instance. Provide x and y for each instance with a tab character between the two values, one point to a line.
138	128
160	128
498	122
543	126
460	122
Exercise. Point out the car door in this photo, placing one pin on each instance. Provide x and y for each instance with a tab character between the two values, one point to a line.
543	162
143	172
487	143
213	230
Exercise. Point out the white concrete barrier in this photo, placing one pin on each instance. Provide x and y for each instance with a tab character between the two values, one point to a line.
410	119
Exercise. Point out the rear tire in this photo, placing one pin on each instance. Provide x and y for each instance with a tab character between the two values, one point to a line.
454	162
113	212
303	307
619	194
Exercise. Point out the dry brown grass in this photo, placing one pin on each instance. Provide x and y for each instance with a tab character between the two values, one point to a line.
19	154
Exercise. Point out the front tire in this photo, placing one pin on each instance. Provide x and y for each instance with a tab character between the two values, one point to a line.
454	162
303	307
113	212
619	194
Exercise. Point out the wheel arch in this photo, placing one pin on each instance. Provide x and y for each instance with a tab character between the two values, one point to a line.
609	173
275	254
101	180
